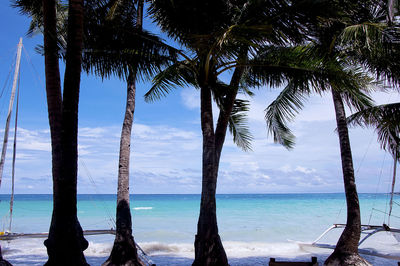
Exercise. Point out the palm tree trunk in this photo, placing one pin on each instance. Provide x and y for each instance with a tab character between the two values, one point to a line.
208	245
65	244
3	262
124	250
346	251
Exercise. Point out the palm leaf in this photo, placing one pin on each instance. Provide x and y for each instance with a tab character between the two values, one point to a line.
376	46
386	121
238	126
179	74
354	86
283	110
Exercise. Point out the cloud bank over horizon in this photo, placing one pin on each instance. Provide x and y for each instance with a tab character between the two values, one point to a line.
167	159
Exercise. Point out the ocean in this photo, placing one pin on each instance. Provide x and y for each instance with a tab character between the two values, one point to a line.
253	227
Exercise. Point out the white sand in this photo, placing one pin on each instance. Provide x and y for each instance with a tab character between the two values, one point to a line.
32	252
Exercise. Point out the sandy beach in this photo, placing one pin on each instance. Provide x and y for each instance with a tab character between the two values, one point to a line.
32	252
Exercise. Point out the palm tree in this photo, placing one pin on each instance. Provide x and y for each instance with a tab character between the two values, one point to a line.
119	46
201	71
124	250
333	57
65	243
220	36
114	44
285	108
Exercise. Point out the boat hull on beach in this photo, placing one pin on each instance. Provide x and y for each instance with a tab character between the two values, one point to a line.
367	232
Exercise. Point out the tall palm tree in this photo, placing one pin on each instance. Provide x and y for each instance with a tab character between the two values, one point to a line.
219	36
114	44
118	45
333	55
285	108
124	250
65	243
201	71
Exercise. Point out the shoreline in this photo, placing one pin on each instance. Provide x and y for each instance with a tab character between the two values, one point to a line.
179	254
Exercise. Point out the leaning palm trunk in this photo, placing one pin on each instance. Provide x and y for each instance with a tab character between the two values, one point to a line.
65	243
346	251
208	246
124	250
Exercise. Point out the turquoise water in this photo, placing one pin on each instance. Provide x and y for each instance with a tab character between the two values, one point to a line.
250	225
173	218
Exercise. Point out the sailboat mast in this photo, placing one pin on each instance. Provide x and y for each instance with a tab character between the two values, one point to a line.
13	161
393	183
10	106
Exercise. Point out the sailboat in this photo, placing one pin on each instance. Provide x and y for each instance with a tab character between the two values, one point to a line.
366	230
8	235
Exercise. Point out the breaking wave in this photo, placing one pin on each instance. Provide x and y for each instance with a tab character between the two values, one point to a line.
142	208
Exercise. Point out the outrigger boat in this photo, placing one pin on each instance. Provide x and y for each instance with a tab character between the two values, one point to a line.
366	231
8	235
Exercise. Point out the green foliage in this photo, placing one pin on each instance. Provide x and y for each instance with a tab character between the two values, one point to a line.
324	72
238	125
386	121
113	45
282	110
179	74
374	43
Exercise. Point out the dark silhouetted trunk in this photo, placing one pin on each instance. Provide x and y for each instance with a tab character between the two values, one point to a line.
65	243
3	262
124	250
346	251
208	246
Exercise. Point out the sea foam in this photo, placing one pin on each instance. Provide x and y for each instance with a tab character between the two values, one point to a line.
33	252
142	208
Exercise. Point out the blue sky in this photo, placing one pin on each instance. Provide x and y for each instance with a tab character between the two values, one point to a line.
166	144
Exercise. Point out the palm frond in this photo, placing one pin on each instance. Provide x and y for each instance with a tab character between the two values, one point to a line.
376	47
283	110
386	121
354	85
365	34
113	52
238	126
275	66
179	74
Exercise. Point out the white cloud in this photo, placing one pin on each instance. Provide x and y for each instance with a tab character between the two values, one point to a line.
304	170
190	98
